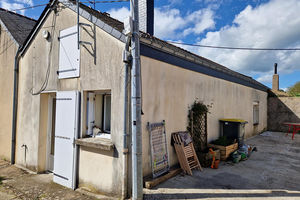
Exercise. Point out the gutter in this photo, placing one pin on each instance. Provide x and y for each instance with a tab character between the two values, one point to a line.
15	107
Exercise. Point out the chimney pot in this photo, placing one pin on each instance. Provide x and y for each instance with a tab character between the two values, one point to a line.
275	81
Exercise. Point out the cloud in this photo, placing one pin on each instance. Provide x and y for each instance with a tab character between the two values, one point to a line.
119	14
26	2
275	24
167	22
16	4
265	78
172	24
204	20
173	2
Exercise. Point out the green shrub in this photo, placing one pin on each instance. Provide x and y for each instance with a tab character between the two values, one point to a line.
223	141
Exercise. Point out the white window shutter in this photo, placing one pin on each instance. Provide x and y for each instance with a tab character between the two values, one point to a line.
69	54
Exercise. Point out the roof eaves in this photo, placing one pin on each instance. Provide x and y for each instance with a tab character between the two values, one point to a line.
95	20
38	24
179	52
82	12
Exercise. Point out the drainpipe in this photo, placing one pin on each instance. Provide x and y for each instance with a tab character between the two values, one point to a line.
136	129
127	61
15	107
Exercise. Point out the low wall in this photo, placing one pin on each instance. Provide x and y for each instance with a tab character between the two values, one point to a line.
282	109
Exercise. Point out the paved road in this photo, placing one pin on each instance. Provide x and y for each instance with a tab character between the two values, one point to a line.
19	184
273	172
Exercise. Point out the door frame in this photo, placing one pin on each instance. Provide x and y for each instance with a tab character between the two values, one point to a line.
49	157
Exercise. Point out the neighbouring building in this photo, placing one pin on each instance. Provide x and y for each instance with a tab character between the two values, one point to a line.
66	94
14	29
282	107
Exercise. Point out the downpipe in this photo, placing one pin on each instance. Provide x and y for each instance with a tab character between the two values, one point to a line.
15	108
126	60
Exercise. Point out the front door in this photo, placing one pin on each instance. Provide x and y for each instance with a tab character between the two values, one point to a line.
66	131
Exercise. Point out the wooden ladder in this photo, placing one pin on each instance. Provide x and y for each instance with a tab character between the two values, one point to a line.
187	156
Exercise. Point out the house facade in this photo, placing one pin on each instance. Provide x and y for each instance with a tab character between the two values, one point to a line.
14	28
69	93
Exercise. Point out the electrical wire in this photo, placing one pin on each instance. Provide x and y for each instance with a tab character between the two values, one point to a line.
39	5
236	48
45	83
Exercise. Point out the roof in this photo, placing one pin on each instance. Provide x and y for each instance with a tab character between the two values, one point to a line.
105	17
115	28
18	25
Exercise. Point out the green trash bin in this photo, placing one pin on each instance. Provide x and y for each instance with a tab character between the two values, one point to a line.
233	129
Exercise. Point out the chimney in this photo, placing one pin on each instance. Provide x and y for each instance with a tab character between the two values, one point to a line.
275	82
146	16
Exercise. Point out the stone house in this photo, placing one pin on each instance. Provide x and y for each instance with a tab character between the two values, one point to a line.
14	29
66	93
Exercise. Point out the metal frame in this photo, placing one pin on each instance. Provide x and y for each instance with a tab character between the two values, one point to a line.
150	127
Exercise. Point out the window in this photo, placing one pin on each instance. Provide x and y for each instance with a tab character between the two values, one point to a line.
255	112
98	114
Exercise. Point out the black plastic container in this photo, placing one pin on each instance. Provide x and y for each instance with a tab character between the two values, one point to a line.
233	129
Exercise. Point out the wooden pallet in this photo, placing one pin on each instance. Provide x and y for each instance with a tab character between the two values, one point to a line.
187	157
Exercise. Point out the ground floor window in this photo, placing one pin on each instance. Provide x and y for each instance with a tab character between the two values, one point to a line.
255	112
98	114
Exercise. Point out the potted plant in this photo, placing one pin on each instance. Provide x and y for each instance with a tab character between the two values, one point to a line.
225	145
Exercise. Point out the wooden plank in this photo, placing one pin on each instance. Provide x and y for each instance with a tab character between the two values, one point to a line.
154	182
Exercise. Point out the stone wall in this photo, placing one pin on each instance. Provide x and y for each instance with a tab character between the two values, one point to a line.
282	109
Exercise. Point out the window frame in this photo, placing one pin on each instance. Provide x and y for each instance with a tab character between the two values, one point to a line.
104	114
255	113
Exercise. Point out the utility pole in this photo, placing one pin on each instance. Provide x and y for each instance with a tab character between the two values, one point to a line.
137	164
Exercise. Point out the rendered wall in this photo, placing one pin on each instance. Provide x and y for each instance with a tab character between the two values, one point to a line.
106	74
8	49
169	90
283	109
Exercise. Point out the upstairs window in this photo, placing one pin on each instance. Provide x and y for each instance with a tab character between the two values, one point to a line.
69	54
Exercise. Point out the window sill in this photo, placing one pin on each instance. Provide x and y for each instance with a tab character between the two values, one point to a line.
255	124
98	143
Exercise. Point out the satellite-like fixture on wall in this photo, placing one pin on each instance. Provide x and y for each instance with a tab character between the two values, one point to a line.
45	34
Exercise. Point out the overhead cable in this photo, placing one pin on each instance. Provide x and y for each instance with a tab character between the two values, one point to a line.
39	5
235	48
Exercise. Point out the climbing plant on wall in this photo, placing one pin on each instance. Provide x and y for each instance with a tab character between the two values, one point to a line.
197	125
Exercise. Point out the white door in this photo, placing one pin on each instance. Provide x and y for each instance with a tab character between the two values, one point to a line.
66	131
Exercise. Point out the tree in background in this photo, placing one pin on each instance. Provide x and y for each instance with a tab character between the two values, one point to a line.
295	89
